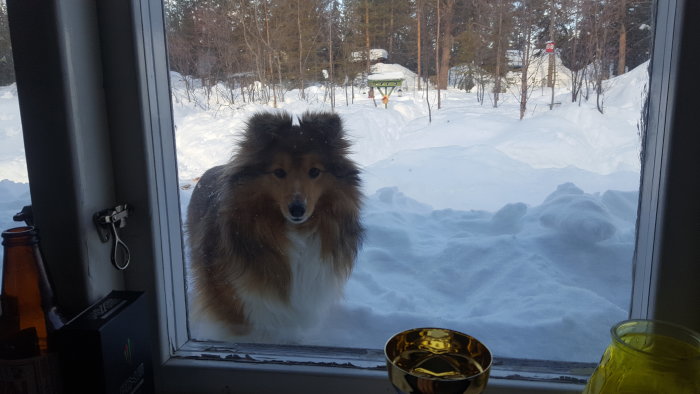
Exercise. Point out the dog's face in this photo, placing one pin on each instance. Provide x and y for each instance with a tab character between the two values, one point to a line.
296	184
295	165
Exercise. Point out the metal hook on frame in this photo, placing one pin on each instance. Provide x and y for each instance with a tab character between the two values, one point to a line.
114	219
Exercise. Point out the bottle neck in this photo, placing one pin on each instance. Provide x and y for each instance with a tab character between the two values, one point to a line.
20	236
23	243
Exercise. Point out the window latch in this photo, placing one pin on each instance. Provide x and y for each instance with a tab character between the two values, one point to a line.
25	215
108	222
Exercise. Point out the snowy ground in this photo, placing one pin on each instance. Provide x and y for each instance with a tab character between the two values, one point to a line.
520	233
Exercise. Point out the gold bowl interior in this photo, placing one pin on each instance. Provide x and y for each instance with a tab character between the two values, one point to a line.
437	361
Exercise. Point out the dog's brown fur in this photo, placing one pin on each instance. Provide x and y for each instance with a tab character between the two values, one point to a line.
240	213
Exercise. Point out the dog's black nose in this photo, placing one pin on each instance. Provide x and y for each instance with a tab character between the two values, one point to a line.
297	209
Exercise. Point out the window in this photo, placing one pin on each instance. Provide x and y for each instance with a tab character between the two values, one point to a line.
491	190
128	125
14	192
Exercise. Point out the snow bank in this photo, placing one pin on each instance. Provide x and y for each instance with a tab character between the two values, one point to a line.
385	76
395	71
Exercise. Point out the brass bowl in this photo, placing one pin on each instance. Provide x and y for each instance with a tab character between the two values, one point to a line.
437	361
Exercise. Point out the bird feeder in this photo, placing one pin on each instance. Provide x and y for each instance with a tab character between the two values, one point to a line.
385	84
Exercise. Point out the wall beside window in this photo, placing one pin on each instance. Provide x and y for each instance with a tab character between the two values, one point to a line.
62	103
671	184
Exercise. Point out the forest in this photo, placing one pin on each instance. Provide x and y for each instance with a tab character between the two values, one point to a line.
261	49
265	48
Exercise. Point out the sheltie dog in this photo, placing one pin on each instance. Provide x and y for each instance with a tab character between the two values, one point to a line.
274	232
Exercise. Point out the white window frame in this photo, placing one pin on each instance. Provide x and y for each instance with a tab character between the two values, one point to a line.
107	63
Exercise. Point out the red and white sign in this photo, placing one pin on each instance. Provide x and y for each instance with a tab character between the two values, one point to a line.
550	47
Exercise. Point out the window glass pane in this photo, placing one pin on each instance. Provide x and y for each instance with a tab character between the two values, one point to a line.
14	182
501	175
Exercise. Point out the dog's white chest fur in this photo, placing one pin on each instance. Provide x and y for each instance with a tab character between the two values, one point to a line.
314	287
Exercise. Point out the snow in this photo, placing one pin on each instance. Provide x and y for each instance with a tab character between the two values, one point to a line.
518	232
13	165
374	54
385	76
396	71
539	68
537	72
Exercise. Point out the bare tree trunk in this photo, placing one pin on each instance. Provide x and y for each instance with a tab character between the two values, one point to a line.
499	48
253	52
391	27
301	51
279	76
189	89
419	19
330	57
599	92
437	55
480	88
576	82
602	58
600	75
367	44
551	75
621	65
427	100
269	54
347	101
447	41
524	69
576	76
259	51
445	60
622	49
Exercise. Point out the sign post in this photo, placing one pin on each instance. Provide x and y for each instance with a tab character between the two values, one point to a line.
551	74
549	47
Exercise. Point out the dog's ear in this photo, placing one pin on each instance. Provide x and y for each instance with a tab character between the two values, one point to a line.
265	127
325	124
328	130
263	131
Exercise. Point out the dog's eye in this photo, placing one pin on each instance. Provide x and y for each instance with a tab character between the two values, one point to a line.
280	173
314	172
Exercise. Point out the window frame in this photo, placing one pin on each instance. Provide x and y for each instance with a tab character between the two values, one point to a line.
128	101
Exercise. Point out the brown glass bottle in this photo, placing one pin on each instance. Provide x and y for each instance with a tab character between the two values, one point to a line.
27	298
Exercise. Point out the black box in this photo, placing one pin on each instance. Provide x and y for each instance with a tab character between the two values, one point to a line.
106	348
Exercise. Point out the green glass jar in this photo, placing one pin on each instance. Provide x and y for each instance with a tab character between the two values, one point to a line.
648	356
